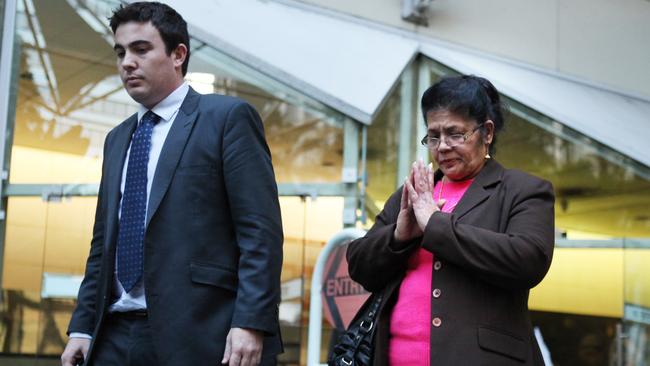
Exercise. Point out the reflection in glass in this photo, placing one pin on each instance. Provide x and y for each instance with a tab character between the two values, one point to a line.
383	139
2	17
637	302
307	225
69	97
577	340
594	197
306	139
41	238
637	344
54	238
68	94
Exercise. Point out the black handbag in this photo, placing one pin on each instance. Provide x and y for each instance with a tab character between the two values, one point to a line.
355	347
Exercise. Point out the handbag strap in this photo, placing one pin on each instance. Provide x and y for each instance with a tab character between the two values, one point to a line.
367	328
370	317
361	330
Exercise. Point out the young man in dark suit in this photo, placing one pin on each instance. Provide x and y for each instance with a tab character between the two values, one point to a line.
185	259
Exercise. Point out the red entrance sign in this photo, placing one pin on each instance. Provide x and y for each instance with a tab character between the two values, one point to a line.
342	297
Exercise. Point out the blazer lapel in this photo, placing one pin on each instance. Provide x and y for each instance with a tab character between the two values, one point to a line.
172	151
115	164
479	191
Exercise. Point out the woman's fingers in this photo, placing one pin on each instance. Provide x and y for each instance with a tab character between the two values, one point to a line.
420	176
412	194
416	174
404	204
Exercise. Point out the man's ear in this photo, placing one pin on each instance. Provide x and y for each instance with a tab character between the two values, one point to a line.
179	54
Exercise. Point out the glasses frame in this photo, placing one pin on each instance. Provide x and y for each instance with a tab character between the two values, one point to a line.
465	136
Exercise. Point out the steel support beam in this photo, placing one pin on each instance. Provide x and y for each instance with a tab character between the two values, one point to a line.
6	65
350	173
407	124
424	81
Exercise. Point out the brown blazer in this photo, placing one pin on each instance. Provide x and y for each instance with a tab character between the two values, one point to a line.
494	247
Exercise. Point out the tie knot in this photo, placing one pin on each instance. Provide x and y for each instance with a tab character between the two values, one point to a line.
150	117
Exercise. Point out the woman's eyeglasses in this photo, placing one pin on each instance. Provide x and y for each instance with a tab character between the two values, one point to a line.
452	140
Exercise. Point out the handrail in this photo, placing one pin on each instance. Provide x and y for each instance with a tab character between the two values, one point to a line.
316	303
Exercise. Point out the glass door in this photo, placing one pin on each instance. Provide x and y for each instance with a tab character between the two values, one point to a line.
633	344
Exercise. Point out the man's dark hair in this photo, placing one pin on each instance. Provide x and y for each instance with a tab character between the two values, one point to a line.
171	26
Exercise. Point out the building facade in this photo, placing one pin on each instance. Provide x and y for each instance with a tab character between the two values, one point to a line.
337	84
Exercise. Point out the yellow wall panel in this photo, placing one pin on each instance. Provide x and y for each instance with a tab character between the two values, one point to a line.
586	281
29	165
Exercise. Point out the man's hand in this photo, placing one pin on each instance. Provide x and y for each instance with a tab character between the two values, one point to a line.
243	347
75	351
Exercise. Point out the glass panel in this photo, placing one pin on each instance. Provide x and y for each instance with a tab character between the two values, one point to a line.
577	308
305	138
2	17
636	326
383	139
70	97
576	340
41	238
305	234
593	307
595	198
48	240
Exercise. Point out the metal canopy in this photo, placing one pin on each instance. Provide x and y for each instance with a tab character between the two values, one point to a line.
348	66
616	120
352	66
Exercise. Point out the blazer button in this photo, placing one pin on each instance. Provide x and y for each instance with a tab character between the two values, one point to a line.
436	322
437	265
436	293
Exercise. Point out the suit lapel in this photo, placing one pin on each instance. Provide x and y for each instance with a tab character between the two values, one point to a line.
115	164
172	151
479	190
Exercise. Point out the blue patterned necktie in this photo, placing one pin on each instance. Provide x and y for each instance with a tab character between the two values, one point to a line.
130	238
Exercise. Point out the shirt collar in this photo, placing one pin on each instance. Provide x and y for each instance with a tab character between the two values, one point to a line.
168	106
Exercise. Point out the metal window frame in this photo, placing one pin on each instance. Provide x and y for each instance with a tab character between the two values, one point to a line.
7	64
6	67
58	191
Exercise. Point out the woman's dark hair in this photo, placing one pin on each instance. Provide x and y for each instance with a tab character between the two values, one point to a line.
171	26
468	96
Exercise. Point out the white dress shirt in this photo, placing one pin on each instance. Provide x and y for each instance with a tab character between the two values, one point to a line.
167	109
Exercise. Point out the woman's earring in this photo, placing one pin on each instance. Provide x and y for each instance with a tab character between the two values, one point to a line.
487	154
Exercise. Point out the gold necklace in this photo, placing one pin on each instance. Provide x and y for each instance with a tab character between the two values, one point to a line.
442	186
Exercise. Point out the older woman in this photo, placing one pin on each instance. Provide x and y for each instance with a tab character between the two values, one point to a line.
457	250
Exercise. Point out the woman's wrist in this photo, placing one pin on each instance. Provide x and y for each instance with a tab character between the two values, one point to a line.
399	242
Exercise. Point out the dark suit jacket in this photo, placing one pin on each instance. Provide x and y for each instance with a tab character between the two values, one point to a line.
494	247
213	241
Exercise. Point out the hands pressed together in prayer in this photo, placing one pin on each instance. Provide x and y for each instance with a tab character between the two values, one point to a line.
417	203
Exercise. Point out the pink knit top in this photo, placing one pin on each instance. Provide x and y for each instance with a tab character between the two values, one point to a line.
410	322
